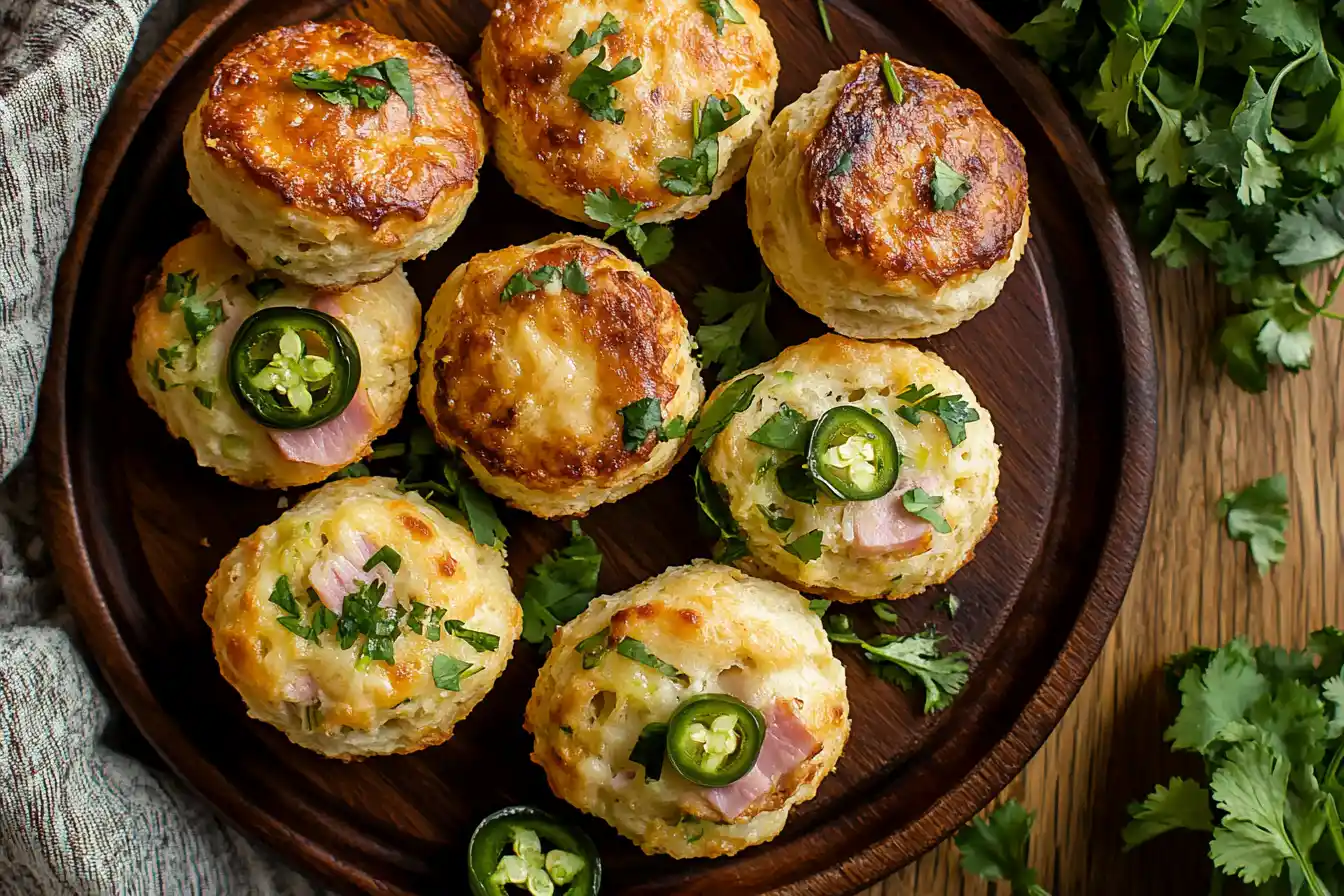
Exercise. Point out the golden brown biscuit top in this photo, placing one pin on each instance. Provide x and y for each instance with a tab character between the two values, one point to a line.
525	71
335	158
881	213
532	387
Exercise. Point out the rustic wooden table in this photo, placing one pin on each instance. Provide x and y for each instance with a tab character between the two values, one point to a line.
1192	586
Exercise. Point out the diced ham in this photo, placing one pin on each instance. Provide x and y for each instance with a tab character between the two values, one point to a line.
339	572
787	745
301	690
330	444
884	526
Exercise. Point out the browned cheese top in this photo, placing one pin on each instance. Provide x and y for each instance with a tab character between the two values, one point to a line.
533	387
881	214
526	72
334	158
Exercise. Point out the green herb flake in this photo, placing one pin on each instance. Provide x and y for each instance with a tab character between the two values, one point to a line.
283	597
776	520
893	83
806	547
483	642
925	506
583	41
177	286
636	650
949	604
653	242
449	671
560	586
205	396
713	504
722	11
352	91
386	555
733	332
786	429
947	186
651	749
735	397
640	418
819	605
594	91
594	647
953	410
796	482
1258	516
996	847
262	288
695	176
908	661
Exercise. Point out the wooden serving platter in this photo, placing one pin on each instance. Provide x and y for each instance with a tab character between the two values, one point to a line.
1063	361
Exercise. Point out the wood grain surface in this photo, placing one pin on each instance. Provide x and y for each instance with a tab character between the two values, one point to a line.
1192	585
1074	414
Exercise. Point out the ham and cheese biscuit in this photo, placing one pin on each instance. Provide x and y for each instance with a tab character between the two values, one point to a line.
353	661
631	660
889	215
325	174
550	365
795	530
554	147
184	328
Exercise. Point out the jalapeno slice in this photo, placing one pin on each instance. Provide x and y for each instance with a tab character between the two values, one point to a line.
714	739
291	368
522	850
852	454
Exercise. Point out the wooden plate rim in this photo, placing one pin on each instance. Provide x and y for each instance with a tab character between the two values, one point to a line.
1002	761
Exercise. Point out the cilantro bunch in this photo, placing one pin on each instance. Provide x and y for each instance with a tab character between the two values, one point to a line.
1269	725
1224	124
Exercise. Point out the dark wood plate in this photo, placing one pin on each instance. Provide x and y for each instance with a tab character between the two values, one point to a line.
1063	361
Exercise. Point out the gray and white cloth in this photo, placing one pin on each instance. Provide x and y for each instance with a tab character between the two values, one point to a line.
77	816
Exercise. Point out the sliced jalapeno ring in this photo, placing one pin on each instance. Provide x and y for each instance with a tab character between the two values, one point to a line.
714	739
522	850
291	367
852	455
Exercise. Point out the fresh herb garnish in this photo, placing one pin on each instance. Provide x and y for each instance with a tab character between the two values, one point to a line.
925	506
172	354
1269	726
722	11
483	642
199	315
775	519
583	41
796	482
733	331
449	671
594	647
560	586
907	660
640	418
953	410
893	83
262	288
593	87
1258	516
819	605
1222	133
995	848
362	615
786	429
635	650
653	242
205	396
695	176
885	612
352	91
651	749
949	604
806	547
715	415
571	277
386	555
177	286
825	21
948	186
713	505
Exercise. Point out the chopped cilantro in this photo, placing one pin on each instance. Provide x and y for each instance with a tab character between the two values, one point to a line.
925	506
651	749
560	586
733	333
352	91
806	547
722	11
695	176
635	650
1258	516
262	288
593	87
796	482
907	660
583	41
893	83
947	185
995	848
786	429
386	555
480	641
953	410
449	671
718	412
653	242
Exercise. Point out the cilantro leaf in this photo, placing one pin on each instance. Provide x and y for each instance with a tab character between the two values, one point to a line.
695	176
593	87
262	288
635	650
640	418
177	286
1182	804
594	647
449	671
907	660
1215	698
716	414
583	41
651	749
786	429
352	91
483	642
653	242
722	11
774	519
925	506
560	586
734	333
995	848
1252	788
893	83
947	185
1313	236
386	555
796	482
806	547
1258	516
953	410
709	497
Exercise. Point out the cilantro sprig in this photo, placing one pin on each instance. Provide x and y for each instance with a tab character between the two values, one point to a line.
1258	516
559	587
695	176
653	242
908	660
953	410
995	848
645	416
722	12
594	89
733	333
583	41
353	90
1269	725
198	313
547	277
1224	124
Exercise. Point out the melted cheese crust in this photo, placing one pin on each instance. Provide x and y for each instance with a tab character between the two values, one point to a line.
384	708
864	248
336	158
530	390
729	633
812	378
383	317
552	151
